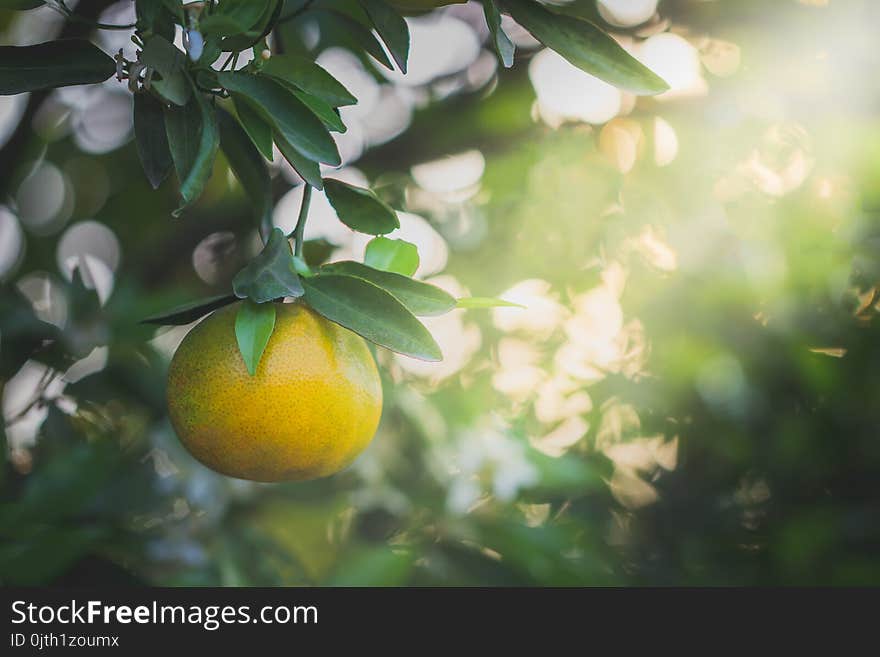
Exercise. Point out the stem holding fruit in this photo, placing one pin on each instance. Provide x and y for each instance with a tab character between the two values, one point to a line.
301	221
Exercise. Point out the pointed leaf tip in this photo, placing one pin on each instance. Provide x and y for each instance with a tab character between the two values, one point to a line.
190	312
586	46
52	64
392	28
418	297
254	324
371	312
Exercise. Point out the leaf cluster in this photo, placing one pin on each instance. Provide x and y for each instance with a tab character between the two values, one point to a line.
191	104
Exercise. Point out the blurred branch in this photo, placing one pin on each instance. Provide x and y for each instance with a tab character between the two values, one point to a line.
47	378
15	148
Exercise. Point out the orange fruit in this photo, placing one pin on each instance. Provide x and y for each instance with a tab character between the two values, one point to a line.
312	406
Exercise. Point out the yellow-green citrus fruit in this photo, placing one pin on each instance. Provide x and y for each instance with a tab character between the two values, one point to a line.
312	406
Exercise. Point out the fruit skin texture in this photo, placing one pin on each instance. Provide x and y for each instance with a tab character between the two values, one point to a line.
311	408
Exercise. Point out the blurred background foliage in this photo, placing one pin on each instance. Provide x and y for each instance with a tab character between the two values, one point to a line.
688	398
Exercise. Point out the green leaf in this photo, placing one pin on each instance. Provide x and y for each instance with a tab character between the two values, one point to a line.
419	298
293	119
52	64
502	43
217	25
206	78
372	313
193	139
183	126
20	4
174	7
190	312
162	55
586	46
254	323
147	11
586	11
307	169
247	164
360	209
210	52
271	274
260	29
391	27
151	139
379	566
160	17
305	74
361	38
174	88
302	267
397	256
257	129
232	17
329	117
485	302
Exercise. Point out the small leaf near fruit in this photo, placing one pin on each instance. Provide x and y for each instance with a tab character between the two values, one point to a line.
418	297
254	324
398	256
271	275
371	312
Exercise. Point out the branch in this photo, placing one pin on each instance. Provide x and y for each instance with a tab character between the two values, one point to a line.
301	221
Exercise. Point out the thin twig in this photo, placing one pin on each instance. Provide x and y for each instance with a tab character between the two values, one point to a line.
46	379
227	60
